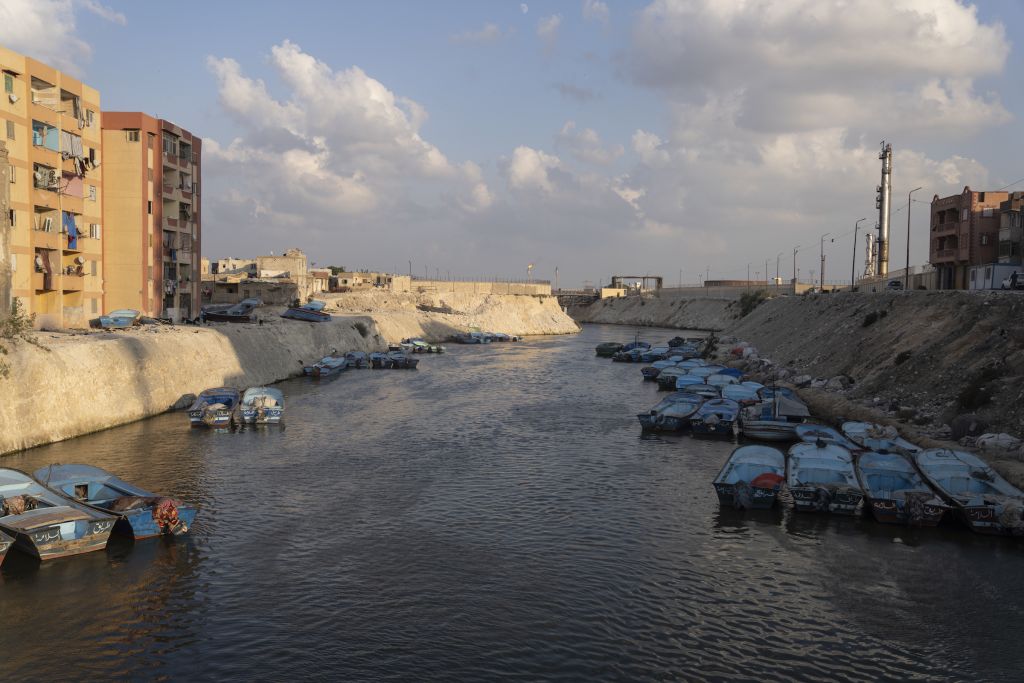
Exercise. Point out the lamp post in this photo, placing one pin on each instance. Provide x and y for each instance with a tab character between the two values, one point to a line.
795	249
906	273
822	272
853	261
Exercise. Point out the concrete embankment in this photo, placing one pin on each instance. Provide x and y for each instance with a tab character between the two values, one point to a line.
80	383
666	308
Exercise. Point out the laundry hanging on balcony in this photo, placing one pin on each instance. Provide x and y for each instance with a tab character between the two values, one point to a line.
71	229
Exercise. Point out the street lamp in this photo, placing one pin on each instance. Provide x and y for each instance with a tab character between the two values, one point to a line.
906	273
795	249
853	261
822	272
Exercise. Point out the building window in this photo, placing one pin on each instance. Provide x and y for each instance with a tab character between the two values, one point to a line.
93	303
963	215
149	140
149	208
92	269
14	170
13	216
8	82
92	192
10	130
94	230
89	117
132	135
984	241
149	173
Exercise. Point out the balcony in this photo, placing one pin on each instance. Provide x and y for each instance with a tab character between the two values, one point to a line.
44	282
949	228
73	283
945	255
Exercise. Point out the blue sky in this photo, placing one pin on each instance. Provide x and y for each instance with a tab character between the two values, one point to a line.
643	136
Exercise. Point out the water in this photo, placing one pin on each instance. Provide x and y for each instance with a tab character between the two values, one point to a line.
494	514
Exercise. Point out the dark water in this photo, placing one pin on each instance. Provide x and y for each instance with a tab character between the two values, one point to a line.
494	514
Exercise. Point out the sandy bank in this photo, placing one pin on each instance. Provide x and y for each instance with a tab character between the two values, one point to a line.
86	382
665	308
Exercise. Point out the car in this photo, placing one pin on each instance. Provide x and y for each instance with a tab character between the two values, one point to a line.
1011	282
894	284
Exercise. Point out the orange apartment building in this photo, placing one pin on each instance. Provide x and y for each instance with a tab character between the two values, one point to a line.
50	123
152	215
964	233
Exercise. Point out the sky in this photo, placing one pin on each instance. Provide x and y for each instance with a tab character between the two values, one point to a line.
682	138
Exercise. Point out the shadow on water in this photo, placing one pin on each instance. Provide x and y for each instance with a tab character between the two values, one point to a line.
494	514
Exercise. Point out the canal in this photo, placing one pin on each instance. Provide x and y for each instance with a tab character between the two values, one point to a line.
494	514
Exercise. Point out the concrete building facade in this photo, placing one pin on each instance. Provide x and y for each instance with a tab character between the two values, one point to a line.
152	216
1010	229
50	123
964	233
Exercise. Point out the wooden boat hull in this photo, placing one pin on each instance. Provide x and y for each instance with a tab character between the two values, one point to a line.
225	318
758	498
892	511
48	544
650	374
5	544
270	416
139	524
984	519
818	499
662	423
770	430
724	429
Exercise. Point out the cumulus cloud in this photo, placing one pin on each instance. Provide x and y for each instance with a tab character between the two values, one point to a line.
586	146
46	30
340	144
489	33
547	30
529	169
595	10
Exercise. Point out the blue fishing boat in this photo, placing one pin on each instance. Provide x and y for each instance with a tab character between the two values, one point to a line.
716	418
751	477
607	349
5	544
312	312
46	524
693	363
215	408
720	379
636	346
667	378
986	502
741	393
119	319
688	379
357	359
774	420
895	492
671	414
706	370
400	361
327	366
876	437
820	477
379	360
655	353
262	405
705	390
811	433
140	513
771	391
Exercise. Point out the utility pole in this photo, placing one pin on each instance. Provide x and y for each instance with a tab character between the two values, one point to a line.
680	278
748	277
556	278
410	269
766	272
906	273
795	273
822	272
853	262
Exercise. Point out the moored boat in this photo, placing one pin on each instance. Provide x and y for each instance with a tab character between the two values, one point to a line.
895	492
46	524
716	418
986	502
667	378
400	361
312	312
328	366
357	359
607	349
820	478
262	405
773	420
215	408
811	433
740	393
5	544
379	360
671	414
119	319
876	437
140	513
239	313
751	477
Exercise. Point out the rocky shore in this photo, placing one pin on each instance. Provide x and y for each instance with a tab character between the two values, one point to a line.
80	382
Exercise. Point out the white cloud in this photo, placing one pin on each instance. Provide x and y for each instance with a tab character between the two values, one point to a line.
44	30
489	33
524	8
595	10
586	146
648	147
529	169
547	30
104	12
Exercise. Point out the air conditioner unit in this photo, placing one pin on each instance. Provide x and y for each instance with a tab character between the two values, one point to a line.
12	97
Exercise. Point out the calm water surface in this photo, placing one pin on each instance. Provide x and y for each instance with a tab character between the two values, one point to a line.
494	514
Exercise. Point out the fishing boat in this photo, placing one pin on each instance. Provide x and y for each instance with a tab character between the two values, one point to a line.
751	477
5	544
400	361
357	359
119	319
895	492
820	478
688	379
667	378
312	312
740	393
239	313
636	346
215	408
607	349
767	392
773	420
139	513
716	418
379	360
692	363
876	437
811	433
984	500
654	353
328	366
44	523
706	370
721	379
705	390
472	338
671	414
262	405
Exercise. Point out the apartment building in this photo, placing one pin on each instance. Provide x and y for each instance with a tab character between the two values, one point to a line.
1010	229
50	123
152	215
964	233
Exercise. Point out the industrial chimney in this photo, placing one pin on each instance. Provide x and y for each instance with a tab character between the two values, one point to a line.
883	203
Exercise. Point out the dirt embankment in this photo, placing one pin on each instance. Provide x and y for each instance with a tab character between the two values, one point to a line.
85	382
659	309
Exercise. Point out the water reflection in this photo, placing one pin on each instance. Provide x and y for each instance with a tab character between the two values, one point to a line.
495	513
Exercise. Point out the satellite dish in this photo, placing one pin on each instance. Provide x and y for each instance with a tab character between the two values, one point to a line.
80	260
12	97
